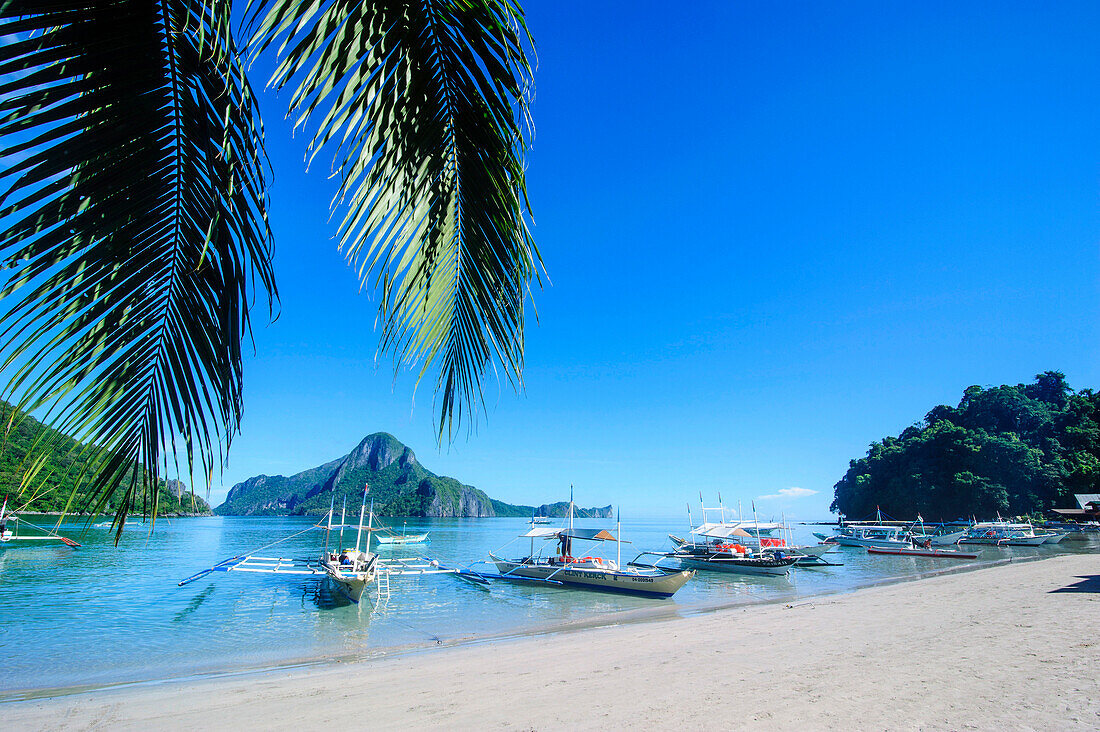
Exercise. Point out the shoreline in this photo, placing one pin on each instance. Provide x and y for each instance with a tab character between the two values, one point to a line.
659	612
810	645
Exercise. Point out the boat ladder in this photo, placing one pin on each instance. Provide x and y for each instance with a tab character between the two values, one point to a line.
383	581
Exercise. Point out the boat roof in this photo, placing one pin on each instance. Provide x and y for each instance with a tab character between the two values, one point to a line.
585	534
721	531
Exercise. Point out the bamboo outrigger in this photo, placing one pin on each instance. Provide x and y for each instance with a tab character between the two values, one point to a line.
350	570
13	537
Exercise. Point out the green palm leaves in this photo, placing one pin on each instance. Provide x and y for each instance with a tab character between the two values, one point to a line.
134	230
133	224
424	108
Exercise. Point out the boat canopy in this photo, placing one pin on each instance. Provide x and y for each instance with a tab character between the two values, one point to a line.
584	534
721	531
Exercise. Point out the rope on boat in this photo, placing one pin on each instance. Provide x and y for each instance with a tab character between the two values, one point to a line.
49	532
244	556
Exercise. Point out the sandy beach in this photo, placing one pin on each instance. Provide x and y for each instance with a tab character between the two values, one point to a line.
1009	647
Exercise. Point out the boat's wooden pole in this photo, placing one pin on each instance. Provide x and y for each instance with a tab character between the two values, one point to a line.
359	527
619	537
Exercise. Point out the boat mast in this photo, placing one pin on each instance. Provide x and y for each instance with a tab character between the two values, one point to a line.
619	537
328	531
571	505
362	508
756	521
721	507
343	511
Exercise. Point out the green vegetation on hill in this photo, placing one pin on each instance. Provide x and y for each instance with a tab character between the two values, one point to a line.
399	486
48	486
1009	449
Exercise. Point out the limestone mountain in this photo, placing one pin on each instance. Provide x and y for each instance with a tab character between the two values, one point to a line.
400	486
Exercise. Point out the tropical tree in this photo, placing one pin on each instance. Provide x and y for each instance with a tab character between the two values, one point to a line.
133	218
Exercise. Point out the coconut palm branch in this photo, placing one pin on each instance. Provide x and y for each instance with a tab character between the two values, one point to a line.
132	230
423	107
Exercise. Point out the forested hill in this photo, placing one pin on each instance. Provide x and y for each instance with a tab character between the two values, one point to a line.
1008	449
49	488
399	486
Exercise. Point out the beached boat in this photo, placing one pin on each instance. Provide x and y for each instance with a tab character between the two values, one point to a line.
922	552
587	573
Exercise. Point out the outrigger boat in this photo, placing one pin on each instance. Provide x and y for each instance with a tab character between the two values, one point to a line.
922	552
402	538
12	537
1006	533
726	547
586	573
349	571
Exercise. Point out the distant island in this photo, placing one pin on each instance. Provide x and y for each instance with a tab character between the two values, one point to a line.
399	486
1010	449
48	488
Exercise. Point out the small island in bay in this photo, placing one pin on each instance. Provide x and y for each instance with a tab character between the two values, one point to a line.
399	486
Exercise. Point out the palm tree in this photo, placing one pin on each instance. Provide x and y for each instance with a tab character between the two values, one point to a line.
133	217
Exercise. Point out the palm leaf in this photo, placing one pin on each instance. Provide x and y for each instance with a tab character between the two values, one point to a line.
423	106
133	228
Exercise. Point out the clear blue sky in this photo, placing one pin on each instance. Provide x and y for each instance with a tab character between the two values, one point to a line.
775	233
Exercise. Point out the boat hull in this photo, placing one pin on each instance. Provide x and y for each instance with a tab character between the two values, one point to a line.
410	539
647	585
740	565
862	542
1005	541
939	553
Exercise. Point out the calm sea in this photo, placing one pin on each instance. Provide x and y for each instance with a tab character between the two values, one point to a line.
103	614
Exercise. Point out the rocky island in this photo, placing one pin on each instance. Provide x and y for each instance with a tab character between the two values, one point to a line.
400	486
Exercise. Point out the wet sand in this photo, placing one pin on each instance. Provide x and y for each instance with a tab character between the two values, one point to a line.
1015	646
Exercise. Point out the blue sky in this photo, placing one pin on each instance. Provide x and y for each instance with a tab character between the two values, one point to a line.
774	233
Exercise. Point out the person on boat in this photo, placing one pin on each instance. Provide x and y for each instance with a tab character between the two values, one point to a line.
927	543
345	559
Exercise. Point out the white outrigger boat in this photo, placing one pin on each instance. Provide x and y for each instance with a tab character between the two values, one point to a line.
13	537
1007	533
349	571
390	538
727	547
586	573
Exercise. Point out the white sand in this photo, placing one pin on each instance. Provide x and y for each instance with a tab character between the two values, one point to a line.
993	649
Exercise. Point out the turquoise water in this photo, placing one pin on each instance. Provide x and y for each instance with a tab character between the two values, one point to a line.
102	615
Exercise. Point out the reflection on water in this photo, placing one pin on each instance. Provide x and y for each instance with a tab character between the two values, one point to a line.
102	614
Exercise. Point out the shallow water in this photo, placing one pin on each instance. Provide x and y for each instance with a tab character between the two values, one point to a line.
101	615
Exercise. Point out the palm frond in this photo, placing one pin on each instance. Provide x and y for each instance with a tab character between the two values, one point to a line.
133	229
424	108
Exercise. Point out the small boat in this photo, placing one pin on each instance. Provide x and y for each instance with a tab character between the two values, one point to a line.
403	538
940	539
922	552
540	520
876	536
13	537
563	569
